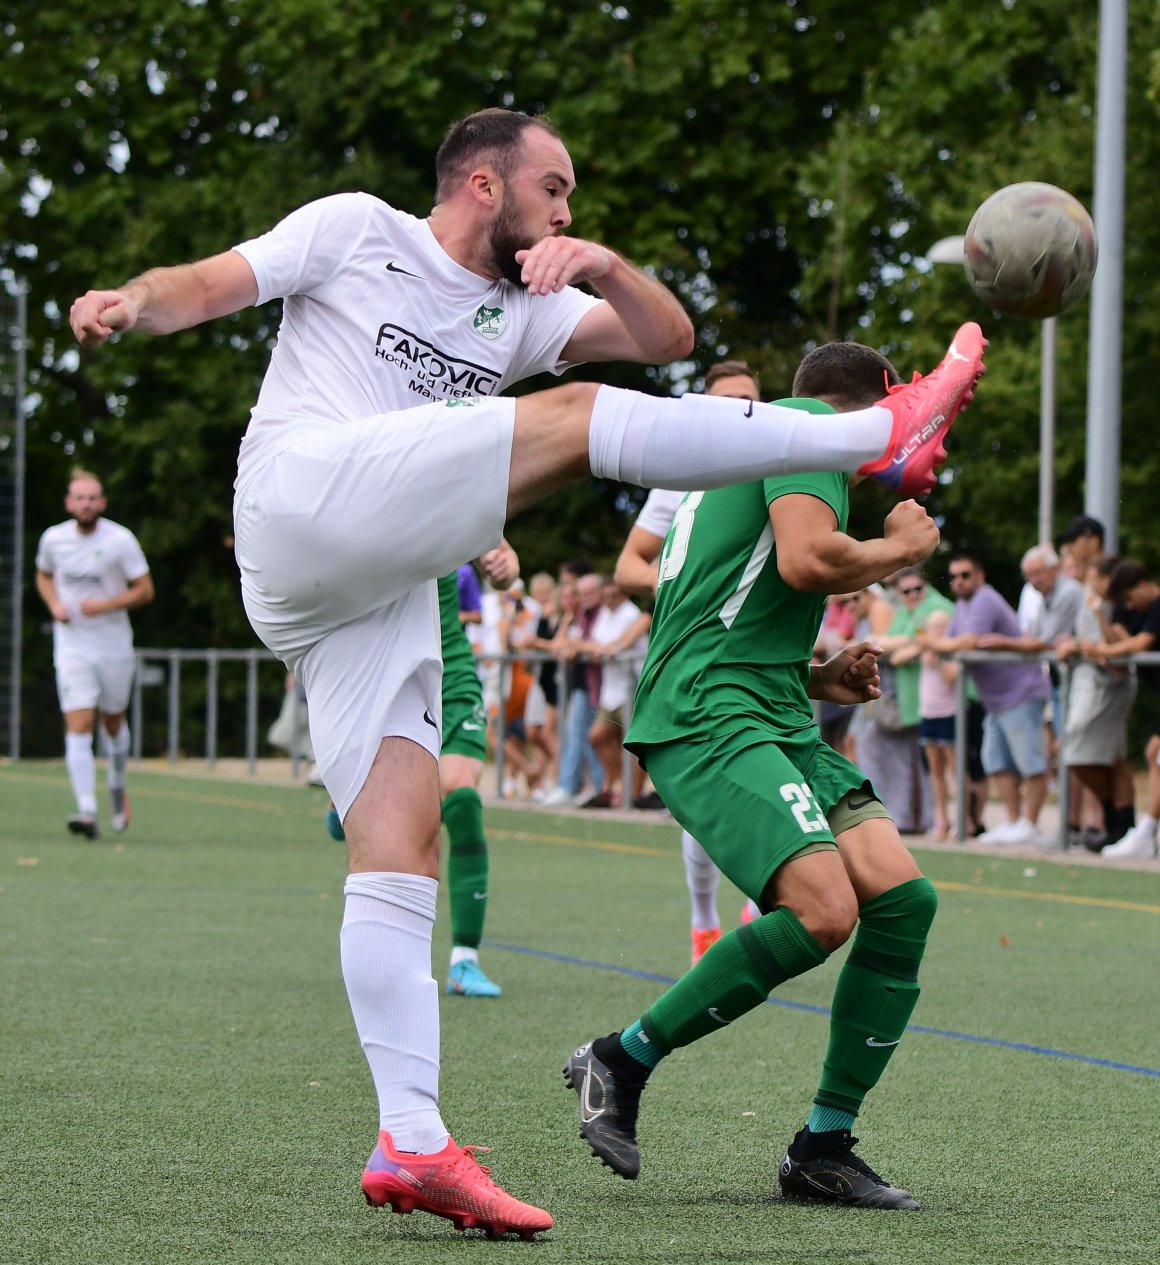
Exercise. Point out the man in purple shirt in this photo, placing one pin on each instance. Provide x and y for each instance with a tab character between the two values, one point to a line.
1013	694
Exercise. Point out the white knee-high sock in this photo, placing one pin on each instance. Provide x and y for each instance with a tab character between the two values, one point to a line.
82	770
703	878
704	441
386	964
116	748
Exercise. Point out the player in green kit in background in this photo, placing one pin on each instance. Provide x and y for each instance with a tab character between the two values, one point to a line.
462	757
723	722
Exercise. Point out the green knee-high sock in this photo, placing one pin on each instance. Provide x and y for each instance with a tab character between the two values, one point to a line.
736	975
876	992
462	813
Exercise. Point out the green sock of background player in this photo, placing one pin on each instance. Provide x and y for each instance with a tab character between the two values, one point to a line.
462	812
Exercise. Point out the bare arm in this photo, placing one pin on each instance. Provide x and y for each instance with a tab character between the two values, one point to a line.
640	319
166	299
138	592
1026	644
46	587
637	629
636	568
813	556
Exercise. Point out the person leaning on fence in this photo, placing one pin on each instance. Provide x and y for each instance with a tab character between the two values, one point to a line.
1099	703
891	750
1135	630
1013	695
90	573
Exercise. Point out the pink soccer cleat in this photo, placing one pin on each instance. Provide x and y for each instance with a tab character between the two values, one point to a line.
924	411
452	1183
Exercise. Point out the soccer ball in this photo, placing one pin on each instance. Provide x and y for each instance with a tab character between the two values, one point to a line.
1030	250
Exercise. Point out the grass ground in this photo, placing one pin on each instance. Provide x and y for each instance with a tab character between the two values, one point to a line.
181	1080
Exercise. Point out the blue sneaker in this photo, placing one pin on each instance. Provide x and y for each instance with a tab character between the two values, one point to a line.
334	824
468	979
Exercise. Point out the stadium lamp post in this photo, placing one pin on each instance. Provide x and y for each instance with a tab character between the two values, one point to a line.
949	250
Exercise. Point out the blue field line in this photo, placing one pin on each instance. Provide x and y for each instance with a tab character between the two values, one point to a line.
1021	1046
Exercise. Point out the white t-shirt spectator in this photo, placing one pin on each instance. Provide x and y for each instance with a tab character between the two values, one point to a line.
617	678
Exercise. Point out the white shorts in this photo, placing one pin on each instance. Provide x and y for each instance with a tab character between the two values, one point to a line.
340	537
105	684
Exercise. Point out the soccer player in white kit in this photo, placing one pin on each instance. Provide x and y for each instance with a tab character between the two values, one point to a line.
379	457
636	573
90	573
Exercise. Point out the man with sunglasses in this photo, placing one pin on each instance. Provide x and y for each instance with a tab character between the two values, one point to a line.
1013	694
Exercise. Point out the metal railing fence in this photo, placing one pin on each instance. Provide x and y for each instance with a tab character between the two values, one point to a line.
174	661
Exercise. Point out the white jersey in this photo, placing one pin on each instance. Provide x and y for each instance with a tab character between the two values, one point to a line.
659	510
100	564
378	317
618	679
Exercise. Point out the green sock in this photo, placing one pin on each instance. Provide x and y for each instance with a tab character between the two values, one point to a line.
462	813
736	975
876	992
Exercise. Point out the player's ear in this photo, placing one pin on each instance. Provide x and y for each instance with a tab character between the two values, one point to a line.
485	186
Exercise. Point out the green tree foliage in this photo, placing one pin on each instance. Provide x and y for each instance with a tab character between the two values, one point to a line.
782	166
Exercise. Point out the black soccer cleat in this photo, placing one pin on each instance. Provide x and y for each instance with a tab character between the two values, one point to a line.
84	824
608	1110
822	1167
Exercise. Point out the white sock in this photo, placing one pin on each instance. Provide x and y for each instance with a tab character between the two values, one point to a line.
752	909
1146	824
705	441
116	750
82	771
461	953
703	878
386	963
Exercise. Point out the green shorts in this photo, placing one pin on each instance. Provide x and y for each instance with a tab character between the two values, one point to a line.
464	720
755	798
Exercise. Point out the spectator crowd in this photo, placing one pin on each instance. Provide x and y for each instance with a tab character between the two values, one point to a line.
564	708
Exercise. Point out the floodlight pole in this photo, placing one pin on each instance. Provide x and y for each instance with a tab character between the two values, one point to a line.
1102	464
1047	430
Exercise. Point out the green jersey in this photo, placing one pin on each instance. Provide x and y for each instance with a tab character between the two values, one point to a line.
458	657
731	642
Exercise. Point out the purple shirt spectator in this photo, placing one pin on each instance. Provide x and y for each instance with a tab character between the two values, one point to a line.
1000	685
470	594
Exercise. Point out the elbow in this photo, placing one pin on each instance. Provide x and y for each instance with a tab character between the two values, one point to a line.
805	575
681	344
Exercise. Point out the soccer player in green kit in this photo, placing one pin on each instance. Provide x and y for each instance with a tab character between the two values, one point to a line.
724	724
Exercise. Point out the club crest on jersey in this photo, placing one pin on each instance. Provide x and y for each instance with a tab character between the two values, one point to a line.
489	322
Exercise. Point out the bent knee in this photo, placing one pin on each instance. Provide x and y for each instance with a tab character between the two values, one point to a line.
831	920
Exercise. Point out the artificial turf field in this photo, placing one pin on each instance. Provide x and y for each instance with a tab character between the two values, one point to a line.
182	1083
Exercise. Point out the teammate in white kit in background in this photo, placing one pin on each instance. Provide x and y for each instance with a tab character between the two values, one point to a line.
91	573
636	573
350	501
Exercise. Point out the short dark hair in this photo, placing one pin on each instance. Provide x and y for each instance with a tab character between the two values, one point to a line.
493	136
731	369
965	555
846	375
576	568
1125	576
1082	525
1106	565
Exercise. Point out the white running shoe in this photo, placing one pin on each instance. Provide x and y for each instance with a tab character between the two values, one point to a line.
1023	832
556	797
1000	834
1139	844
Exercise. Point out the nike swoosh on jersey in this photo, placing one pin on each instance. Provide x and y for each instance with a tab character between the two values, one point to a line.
394	267
429	719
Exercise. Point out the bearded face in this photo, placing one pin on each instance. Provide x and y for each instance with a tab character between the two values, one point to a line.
509	234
